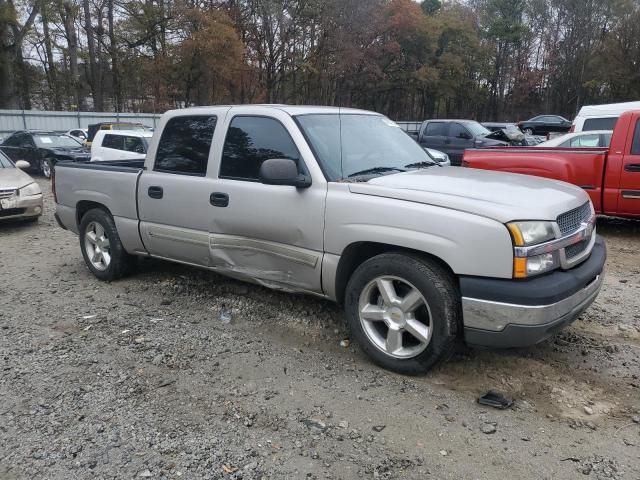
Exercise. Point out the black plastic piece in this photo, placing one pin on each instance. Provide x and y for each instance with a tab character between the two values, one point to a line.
542	290
496	400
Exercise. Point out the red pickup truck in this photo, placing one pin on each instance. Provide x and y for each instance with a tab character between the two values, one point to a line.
610	176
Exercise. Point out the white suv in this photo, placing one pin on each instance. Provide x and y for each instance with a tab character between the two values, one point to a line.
119	145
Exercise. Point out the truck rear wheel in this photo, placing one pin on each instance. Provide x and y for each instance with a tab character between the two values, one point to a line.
404	311
101	246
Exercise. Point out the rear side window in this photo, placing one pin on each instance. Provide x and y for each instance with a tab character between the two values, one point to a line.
252	140
635	146
113	141
592	140
133	144
435	129
599	123
184	145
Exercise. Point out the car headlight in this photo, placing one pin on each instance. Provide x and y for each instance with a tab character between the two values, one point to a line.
531	233
527	234
29	190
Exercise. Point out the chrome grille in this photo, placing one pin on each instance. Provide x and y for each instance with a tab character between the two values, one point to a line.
7	192
570	221
576	249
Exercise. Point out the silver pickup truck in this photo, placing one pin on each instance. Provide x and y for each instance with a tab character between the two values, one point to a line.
341	203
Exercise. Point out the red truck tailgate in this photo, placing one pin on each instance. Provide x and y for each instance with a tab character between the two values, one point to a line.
583	167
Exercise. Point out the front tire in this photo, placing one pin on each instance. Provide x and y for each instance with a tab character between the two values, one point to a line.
101	246
404	311
46	167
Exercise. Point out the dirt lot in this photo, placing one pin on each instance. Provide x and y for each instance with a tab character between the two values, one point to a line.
180	373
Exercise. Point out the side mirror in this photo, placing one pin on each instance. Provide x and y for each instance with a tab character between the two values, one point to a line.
465	136
283	171
23	165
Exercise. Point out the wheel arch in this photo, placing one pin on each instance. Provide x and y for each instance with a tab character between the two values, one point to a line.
83	206
355	254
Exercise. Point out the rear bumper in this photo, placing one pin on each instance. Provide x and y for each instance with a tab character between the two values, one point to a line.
511	313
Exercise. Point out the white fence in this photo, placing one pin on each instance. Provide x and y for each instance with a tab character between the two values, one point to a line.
12	120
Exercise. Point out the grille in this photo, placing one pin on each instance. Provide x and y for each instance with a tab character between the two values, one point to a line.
570	221
576	249
7	192
9	212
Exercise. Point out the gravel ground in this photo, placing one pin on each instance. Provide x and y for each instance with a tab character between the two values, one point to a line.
180	373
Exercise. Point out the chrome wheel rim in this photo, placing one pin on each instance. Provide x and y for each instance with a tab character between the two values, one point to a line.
46	168
395	317
96	244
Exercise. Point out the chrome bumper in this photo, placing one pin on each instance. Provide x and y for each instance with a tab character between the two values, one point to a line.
495	316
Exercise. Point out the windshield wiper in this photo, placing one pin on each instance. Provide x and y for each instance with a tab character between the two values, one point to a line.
423	164
374	170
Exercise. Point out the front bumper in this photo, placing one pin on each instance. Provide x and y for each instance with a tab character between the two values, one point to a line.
519	313
21	207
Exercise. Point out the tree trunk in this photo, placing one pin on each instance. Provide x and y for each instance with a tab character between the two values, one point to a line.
52	76
68	17
94	72
115	68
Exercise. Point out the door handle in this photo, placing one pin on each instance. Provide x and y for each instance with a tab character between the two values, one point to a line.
219	199
632	167
155	192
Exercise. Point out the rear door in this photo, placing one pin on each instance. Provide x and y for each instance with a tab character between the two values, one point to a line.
174	195
273	233
629	199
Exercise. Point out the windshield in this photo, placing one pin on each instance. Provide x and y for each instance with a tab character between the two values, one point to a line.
349	145
476	129
5	162
48	141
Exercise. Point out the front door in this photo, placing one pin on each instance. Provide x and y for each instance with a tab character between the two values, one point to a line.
460	139
174	195
629	200
271	233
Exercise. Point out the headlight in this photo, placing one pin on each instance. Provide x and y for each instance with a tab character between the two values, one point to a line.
524	267
29	190
531	233
528	234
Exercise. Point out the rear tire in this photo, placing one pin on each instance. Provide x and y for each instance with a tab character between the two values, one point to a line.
101	246
404	311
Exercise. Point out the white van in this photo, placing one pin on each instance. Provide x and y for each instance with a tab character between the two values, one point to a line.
601	117
120	145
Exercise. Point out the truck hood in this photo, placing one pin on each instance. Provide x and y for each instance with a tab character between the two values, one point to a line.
500	196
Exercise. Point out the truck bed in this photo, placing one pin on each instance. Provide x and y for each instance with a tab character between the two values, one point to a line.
111	184
583	167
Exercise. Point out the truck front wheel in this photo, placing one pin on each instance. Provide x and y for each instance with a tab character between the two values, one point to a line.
101	246
404	311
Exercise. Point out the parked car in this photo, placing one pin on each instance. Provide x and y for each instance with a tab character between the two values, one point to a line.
78	133
601	117
544	125
611	176
95	127
20	195
454	136
508	132
342	204
43	149
590	139
119	145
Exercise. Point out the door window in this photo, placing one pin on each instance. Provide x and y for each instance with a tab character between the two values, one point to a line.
184	145
113	141
133	144
635	146
585	141
458	131
252	140
436	129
